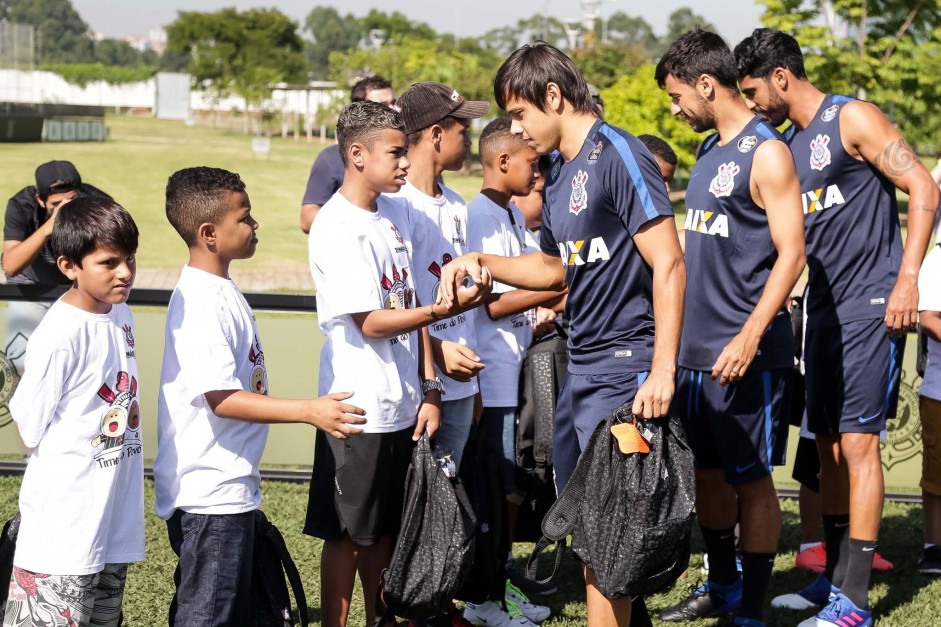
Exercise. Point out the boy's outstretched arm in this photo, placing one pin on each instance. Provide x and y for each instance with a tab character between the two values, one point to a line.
327	413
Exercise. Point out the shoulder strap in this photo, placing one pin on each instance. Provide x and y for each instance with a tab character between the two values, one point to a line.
274	536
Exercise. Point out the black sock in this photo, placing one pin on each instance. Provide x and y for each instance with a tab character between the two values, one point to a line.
858	571
836	529
756	573
640	617
720	546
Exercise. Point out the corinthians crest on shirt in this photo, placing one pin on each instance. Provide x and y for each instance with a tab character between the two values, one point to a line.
724	181
398	295
579	198
819	152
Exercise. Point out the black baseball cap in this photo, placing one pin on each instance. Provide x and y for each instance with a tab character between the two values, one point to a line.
56	177
423	104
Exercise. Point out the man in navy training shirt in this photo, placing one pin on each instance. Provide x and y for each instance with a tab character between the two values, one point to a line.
608	233
862	298
745	251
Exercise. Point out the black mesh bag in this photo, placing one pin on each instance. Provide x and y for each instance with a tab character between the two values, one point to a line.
435	547
630	515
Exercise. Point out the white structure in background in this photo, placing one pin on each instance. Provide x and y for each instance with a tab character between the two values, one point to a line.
169	95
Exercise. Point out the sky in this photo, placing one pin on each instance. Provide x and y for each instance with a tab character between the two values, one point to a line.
734	19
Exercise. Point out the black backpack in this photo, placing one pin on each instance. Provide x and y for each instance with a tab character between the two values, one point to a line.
541	378
630	516
487	577
271	561
7	548
435	546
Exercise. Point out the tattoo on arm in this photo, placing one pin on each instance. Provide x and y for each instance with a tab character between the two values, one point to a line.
897	159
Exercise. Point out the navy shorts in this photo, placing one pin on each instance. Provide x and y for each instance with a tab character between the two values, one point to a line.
584	401
853	373
742	427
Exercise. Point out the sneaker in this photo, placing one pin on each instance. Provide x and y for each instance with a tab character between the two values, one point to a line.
841	612
813	559
930	562
707	600
528	586
817	594
535	613
492	615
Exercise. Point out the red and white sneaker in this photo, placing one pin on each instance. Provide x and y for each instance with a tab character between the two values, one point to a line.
815	559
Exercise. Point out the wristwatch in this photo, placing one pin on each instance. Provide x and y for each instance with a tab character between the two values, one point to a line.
427	385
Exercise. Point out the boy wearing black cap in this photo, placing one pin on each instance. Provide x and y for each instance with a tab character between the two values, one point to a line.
436	119
27	226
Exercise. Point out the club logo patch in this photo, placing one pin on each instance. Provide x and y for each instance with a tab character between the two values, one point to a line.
398	234
724	181
829	113
579	198
595	153
819	152
745	144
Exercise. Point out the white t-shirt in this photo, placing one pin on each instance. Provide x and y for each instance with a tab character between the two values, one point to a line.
439	234
78	407
206	464
929	299
360	262
501	344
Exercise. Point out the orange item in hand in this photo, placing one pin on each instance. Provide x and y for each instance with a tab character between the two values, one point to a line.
629	439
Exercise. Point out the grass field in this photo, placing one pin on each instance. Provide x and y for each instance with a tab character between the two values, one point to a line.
901	598
142	152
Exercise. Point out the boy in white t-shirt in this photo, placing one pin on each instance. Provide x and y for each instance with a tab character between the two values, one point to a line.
213	407
77	406
506	324
929	316
378	347
436	119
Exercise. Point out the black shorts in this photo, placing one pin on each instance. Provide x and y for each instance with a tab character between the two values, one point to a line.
807	464
853	374
742	427
358	486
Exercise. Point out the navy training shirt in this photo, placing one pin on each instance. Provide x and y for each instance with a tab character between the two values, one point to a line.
851	223
594	204
729	254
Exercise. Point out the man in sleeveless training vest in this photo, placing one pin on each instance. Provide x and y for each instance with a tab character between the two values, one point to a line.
862	298
744	253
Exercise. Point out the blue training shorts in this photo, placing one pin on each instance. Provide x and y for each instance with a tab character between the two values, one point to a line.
742	427
584	401
853	373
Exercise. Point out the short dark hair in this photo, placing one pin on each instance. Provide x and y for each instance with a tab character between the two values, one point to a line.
363	122
527	72
759	54
88	223
696	53
496	137
199	195
659	148
445	123
365	85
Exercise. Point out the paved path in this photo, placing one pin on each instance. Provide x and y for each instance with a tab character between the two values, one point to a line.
248	280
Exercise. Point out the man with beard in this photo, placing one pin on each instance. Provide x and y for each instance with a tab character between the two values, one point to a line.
862	298
744	253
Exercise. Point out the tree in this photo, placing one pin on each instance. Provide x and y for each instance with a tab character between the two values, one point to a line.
631	31
602	64
506	39
395	25
887	51
62	34
636	103
682	21
331	32
117	52
240	53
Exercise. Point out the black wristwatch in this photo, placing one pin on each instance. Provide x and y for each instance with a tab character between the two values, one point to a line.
427	385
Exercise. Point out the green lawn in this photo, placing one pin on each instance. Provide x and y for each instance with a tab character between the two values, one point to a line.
901	598
142	152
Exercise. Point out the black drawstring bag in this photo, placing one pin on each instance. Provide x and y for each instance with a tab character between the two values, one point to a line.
630	515
435	547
